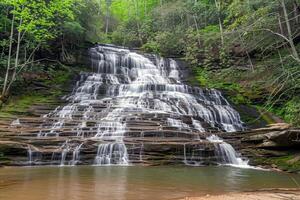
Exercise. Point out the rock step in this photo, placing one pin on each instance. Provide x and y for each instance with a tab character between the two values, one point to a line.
150	153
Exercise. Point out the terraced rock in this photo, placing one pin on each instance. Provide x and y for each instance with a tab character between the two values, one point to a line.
133	109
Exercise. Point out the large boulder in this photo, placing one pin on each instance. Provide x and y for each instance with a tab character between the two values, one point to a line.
274	137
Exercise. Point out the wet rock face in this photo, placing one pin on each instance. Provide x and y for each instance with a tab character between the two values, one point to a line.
132	108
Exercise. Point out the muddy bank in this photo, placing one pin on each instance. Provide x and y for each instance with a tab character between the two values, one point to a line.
275	194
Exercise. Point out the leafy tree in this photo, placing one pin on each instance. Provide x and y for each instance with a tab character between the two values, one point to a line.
33	23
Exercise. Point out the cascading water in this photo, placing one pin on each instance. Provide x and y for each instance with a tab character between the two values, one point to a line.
125	87
226	152
29	152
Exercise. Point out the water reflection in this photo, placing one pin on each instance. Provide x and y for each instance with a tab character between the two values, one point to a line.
132	183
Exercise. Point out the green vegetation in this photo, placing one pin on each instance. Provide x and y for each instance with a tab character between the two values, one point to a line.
248	49
43	90
290	163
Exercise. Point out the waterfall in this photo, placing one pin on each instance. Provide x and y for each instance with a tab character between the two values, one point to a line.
124	86
16	122
227	153
29	152
76	152
112	153
64	152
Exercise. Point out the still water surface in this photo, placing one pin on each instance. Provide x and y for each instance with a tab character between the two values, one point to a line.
132	183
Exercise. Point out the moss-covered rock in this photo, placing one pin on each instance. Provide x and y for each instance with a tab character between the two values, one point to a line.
289	163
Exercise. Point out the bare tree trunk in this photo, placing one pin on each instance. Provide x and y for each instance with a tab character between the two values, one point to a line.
197	28
290	36
280	25
9	57
136	5
13	78
205	16
106	22
107	16
218	5
247	53
296	12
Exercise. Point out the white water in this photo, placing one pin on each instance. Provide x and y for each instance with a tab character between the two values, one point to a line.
227	153
112	154
125	84
16	122
29	152
76	157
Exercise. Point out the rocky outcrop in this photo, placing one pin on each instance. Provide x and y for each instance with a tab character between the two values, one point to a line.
276	146
155	146
277	136
147	144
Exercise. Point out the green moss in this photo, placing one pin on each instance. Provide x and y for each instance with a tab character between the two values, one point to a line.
20	104
60	77
210	80
267	117
290	163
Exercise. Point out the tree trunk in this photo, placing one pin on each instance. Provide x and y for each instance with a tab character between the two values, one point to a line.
107	16
197	28
218	6
9	57
13	78
290	36
280	25
296	12
136	5
247	53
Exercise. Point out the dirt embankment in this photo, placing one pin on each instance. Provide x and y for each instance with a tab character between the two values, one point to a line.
288	194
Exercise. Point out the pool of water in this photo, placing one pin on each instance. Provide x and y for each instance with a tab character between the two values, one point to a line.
133	183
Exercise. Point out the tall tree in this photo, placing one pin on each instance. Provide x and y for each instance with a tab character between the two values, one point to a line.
289	37
219	7
107	17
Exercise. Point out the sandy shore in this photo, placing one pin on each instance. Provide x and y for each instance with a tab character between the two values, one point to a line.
255	195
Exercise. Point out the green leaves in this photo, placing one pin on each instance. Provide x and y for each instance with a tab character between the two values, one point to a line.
40	19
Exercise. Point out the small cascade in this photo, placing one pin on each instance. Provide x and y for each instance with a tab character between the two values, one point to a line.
141	152
111	154
76	152
227	153
176	123
64	152
197	125
16	122
134	106
192	156
29	152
